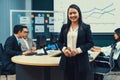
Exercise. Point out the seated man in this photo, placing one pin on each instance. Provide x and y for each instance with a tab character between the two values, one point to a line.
26	42
12	48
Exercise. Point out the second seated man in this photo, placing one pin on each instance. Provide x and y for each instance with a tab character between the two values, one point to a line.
26	42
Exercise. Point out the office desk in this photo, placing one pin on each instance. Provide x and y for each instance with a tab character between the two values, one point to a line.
40	67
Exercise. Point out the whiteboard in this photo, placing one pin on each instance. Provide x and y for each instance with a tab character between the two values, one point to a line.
102	15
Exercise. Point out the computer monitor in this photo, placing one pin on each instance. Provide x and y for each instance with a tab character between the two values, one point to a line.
53	40
54	37
41	41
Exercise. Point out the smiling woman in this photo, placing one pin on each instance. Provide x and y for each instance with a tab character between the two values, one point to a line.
73	15
74	41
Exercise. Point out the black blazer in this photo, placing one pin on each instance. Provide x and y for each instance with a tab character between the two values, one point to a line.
11	48
84	41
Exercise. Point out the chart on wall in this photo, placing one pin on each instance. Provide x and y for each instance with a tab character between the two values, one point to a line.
102	15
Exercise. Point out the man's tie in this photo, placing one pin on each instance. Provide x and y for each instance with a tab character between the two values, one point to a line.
19	42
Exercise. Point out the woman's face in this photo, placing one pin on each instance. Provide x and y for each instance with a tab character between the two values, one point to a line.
73	15
116	36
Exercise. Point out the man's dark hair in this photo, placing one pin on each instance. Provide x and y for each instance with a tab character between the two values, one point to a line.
18	28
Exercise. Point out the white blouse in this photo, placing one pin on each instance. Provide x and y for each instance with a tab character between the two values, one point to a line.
72	39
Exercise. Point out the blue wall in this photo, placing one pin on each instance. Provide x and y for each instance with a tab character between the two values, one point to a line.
5	6
103	39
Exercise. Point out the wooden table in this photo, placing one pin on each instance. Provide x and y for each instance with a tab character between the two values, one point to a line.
43	67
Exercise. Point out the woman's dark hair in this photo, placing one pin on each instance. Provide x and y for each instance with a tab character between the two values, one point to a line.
117	31
80	15
18	28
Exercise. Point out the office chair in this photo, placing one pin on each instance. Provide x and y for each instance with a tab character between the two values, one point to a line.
102	65
105	65
3	72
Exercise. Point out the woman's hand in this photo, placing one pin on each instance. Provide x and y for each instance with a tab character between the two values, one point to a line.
96	49
74	52
67	52
70	53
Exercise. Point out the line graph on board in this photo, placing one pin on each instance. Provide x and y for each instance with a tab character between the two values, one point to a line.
100	17
100	14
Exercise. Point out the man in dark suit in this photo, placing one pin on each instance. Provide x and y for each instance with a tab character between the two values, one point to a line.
12	48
